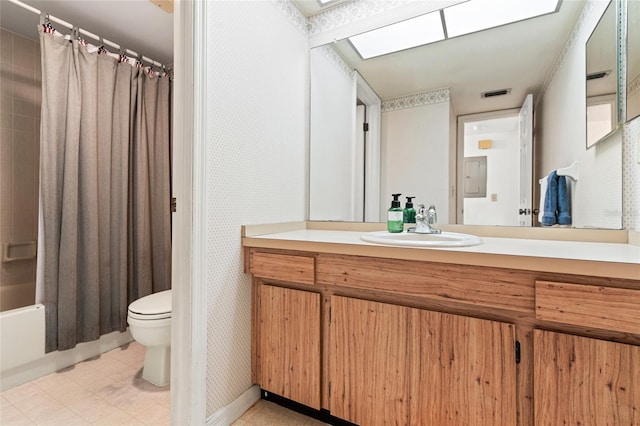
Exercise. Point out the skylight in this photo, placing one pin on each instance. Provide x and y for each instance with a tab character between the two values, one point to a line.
413	32
477	15
463	18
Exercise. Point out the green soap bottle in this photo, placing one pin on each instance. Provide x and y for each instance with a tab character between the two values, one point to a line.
394	215
409	214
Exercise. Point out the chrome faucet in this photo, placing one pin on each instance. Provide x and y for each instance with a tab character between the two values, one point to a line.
424	219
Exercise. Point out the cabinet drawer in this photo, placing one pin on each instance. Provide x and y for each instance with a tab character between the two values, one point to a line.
282	267
607	308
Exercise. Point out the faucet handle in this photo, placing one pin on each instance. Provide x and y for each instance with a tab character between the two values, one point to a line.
432	215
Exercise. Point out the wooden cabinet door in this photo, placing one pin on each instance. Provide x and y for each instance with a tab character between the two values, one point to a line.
583	381
464	371
368	362
289	343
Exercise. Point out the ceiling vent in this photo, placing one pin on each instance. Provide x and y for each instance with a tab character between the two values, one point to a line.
494	93
597	75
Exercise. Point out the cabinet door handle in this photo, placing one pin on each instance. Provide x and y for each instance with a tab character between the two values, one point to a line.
517	352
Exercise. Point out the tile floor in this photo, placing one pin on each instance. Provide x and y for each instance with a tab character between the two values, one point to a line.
265	413
109	391
106	391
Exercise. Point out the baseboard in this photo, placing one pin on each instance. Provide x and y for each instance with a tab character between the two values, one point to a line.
54	361
232	412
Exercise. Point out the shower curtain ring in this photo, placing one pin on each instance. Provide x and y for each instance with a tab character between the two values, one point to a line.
101	48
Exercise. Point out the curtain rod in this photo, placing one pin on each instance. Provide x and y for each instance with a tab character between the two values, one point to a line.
106	42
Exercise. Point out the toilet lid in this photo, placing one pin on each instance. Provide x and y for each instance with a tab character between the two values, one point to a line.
153	306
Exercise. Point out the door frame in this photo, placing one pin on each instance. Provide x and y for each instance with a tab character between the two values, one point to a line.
461	121
189	323
373	104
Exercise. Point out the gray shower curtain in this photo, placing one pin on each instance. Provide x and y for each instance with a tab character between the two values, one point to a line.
105	231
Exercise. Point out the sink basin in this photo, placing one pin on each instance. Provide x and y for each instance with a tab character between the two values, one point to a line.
410	239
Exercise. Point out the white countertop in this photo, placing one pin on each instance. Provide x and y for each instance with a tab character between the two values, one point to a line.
614	260
598	252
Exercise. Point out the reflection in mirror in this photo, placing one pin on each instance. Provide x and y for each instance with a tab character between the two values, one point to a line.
344	159
504	142
425	91
602	78
633	59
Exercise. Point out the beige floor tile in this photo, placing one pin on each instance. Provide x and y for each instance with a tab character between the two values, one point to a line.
61	416
69	392
105	391
10	415
93	379
156	415
38	405
92	408
17	394
119	418
110	366
51	381
265	413
132	354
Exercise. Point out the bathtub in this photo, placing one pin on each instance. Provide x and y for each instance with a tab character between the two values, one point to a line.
22	356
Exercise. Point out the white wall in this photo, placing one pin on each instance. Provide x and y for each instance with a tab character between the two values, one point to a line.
561	136
631	175
503	164
257	100
332	155
415	142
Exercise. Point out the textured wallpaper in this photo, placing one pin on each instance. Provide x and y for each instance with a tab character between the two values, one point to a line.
257	92
257	156
631	175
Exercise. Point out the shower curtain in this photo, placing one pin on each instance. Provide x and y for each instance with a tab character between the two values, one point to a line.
104	231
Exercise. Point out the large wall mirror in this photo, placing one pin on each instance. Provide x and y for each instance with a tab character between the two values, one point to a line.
602	78
633	59
424	93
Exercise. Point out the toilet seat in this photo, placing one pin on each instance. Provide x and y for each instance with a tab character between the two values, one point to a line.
155	306
149	317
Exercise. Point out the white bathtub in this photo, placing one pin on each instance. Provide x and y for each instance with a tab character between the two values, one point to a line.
22	356
22	334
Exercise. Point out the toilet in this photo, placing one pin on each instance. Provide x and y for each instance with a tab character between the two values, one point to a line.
149	321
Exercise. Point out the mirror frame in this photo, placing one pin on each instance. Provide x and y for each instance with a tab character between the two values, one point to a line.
625	37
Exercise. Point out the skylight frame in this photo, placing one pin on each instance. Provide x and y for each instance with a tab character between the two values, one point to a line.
451	29
402	26
446	31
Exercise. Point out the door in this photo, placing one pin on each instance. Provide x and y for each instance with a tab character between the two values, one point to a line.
464	371
289	344
368	362
526	162
584	381
359	166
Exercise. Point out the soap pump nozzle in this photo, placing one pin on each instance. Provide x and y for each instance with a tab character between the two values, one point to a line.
409	202
396	202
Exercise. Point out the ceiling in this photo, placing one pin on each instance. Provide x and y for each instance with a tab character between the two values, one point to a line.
313	7
138	25
517	56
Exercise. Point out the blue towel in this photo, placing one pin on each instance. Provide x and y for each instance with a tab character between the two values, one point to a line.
556	203
564	209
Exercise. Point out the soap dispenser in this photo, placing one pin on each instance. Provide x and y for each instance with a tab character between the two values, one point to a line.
394	215
409	214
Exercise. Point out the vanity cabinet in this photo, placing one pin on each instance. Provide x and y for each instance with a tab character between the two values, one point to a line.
409	342
585	381
463	370
396	365
369	361
288	347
